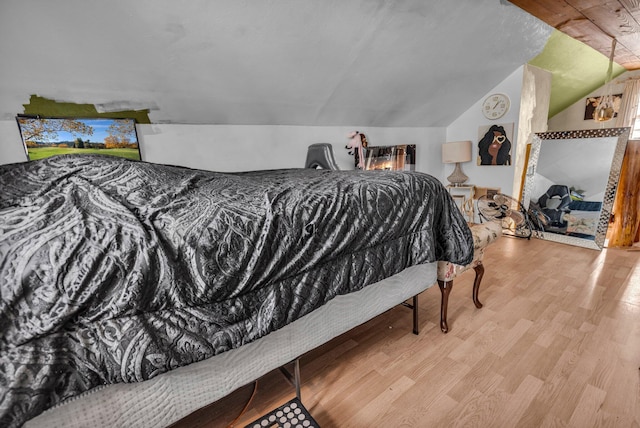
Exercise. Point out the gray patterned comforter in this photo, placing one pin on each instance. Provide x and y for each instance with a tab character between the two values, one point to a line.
117	271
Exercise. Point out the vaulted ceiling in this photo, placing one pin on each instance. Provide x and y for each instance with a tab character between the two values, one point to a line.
282	62
276	62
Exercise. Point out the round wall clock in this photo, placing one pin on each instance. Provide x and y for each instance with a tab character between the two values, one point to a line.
495	106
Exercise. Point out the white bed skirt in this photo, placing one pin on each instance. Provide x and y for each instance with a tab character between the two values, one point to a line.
171	396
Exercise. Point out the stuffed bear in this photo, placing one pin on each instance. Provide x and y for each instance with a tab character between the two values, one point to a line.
357	141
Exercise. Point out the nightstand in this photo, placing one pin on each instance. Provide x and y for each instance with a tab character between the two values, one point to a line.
463	196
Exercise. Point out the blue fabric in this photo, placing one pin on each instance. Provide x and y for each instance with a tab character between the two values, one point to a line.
585	206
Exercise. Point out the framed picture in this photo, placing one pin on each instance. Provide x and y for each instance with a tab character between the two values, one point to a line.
45	137
494	144
390	158
592	102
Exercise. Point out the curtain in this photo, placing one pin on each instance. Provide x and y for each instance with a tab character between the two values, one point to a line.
629	106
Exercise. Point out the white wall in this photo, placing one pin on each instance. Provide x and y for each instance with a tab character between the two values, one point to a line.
466	128
239	147
242	148
572	118
11	148
250	147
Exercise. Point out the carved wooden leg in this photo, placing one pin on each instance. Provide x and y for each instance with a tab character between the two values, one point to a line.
476	284
445	289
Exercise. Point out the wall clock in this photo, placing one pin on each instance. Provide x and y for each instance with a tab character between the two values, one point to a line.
495	106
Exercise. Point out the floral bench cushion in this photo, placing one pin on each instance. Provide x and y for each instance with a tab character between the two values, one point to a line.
483	235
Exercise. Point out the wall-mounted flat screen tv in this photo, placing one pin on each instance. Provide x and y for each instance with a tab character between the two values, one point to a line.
44	137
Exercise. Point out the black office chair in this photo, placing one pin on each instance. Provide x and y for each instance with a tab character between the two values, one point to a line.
554	204
320	155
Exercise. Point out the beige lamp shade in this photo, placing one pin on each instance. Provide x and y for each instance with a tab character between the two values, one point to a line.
456	152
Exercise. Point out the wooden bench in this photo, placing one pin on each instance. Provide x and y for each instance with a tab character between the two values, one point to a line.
483	235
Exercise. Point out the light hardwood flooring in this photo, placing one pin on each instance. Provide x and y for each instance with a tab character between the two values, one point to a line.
557	344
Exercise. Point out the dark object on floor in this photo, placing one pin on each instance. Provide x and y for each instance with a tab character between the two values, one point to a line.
292	414
554	205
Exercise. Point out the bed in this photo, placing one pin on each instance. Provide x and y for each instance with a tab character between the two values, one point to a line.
134	293
583	218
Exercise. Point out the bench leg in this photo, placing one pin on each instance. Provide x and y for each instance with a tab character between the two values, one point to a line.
476	284
445	289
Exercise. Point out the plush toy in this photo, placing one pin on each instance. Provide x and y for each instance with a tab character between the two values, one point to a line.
357	141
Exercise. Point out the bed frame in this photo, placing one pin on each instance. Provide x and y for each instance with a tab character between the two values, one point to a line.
171	396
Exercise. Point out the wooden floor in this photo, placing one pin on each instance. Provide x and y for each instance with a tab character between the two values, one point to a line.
557	344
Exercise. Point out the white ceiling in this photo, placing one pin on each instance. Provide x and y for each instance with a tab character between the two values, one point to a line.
274	62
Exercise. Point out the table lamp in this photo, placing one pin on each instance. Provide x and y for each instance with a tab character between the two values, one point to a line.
456	152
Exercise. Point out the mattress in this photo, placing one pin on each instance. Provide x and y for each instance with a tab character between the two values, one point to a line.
171	396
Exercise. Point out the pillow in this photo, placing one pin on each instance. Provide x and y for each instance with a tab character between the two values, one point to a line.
553	202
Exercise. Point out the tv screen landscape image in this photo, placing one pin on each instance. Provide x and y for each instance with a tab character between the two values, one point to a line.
45	137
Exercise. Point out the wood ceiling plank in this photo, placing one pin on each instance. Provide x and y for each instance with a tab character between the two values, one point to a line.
632	6
583	4
631	62
612	18
635	14
631	66
553	12
628	51
588	33
624	54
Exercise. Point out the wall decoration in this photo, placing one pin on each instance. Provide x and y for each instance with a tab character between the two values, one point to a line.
390	158
495	106
494	144
592	102
357	143
45	137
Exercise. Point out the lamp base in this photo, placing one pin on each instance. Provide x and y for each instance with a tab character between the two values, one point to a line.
457	177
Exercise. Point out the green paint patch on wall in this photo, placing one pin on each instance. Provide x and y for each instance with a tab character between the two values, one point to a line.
577	70
40	106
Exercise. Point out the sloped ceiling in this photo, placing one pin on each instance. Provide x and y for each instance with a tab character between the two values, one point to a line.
277	62
595	23
578	53
577	70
